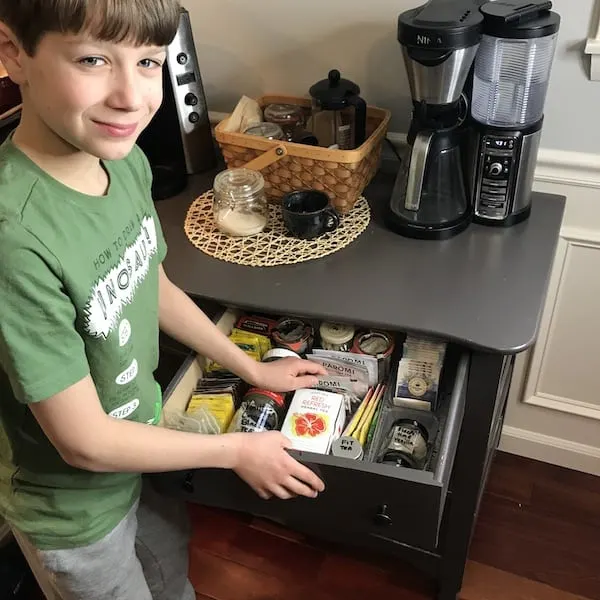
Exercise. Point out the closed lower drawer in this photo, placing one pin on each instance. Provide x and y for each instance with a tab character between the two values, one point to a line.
361	497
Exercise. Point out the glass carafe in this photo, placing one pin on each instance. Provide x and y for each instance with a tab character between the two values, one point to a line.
433	192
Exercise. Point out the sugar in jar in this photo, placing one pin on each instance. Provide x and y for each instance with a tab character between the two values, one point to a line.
240	206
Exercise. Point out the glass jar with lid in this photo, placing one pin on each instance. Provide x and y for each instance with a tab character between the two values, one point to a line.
260	410
271	131
288	116
240	206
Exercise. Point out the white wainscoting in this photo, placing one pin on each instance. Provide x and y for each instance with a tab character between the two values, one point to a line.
565	366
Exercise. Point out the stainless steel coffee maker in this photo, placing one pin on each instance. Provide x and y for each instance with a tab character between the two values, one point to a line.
431	197
451	161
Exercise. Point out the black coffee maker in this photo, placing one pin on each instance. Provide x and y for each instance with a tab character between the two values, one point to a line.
178	142
432	195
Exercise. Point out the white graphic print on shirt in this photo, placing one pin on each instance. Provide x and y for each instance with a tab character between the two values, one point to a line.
117	288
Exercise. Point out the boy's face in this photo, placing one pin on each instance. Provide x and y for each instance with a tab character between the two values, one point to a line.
96	96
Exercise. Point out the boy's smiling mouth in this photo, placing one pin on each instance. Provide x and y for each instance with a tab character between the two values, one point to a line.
117	130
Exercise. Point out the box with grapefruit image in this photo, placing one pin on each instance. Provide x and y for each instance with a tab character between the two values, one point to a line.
314	420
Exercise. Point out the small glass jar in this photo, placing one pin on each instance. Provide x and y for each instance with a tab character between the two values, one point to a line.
260	410
287	116
270	131
240	206
406	445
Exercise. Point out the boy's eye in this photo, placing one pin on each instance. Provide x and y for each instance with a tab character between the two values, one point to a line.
149	63
92	61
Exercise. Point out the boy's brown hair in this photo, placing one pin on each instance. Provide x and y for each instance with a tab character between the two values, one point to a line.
142	22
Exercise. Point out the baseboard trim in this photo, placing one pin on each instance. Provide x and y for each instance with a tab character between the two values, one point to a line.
553	450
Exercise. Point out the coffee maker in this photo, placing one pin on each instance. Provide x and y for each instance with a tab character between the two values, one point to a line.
431	196
446	168
178	141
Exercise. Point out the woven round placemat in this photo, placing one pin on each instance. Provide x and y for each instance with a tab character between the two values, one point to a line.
274	246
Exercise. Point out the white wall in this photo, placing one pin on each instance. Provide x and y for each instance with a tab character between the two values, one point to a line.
270	46
572	121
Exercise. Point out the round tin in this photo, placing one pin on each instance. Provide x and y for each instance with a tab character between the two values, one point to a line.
378	344
293	334
347	447
336	336
278	353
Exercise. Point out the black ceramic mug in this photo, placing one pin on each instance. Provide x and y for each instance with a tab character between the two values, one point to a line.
307	214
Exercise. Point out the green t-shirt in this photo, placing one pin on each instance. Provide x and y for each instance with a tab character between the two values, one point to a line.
78	296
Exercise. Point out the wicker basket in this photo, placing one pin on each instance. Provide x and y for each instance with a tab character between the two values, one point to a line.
286	166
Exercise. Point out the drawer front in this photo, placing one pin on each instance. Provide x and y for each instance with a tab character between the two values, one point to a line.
225	490
361	497
355	501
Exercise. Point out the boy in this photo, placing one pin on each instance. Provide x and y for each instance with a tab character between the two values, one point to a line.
82	296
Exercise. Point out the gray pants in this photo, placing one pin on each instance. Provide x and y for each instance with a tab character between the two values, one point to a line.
144	558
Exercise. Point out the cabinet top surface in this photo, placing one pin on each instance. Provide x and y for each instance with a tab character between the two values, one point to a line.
484	288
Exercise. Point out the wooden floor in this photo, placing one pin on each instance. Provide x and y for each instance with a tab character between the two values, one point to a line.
537	538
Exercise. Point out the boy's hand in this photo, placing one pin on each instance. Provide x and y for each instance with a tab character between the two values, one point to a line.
287	374
269	470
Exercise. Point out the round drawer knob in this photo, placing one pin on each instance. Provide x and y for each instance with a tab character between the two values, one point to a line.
382	518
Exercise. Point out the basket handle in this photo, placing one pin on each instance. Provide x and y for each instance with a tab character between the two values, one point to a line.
266	159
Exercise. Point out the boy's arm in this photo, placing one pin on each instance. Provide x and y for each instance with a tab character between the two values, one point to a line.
184	321
87	438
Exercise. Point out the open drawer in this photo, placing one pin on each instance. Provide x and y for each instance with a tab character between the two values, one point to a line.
361	497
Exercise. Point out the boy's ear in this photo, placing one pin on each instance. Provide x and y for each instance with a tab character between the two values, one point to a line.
11	54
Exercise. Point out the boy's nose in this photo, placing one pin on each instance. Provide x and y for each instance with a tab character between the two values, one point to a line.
126	93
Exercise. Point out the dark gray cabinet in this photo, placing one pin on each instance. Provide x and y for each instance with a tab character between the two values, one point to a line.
482	291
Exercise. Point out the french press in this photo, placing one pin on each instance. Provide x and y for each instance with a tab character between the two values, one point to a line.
339	114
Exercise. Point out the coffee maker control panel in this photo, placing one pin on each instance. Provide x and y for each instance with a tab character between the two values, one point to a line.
495	175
